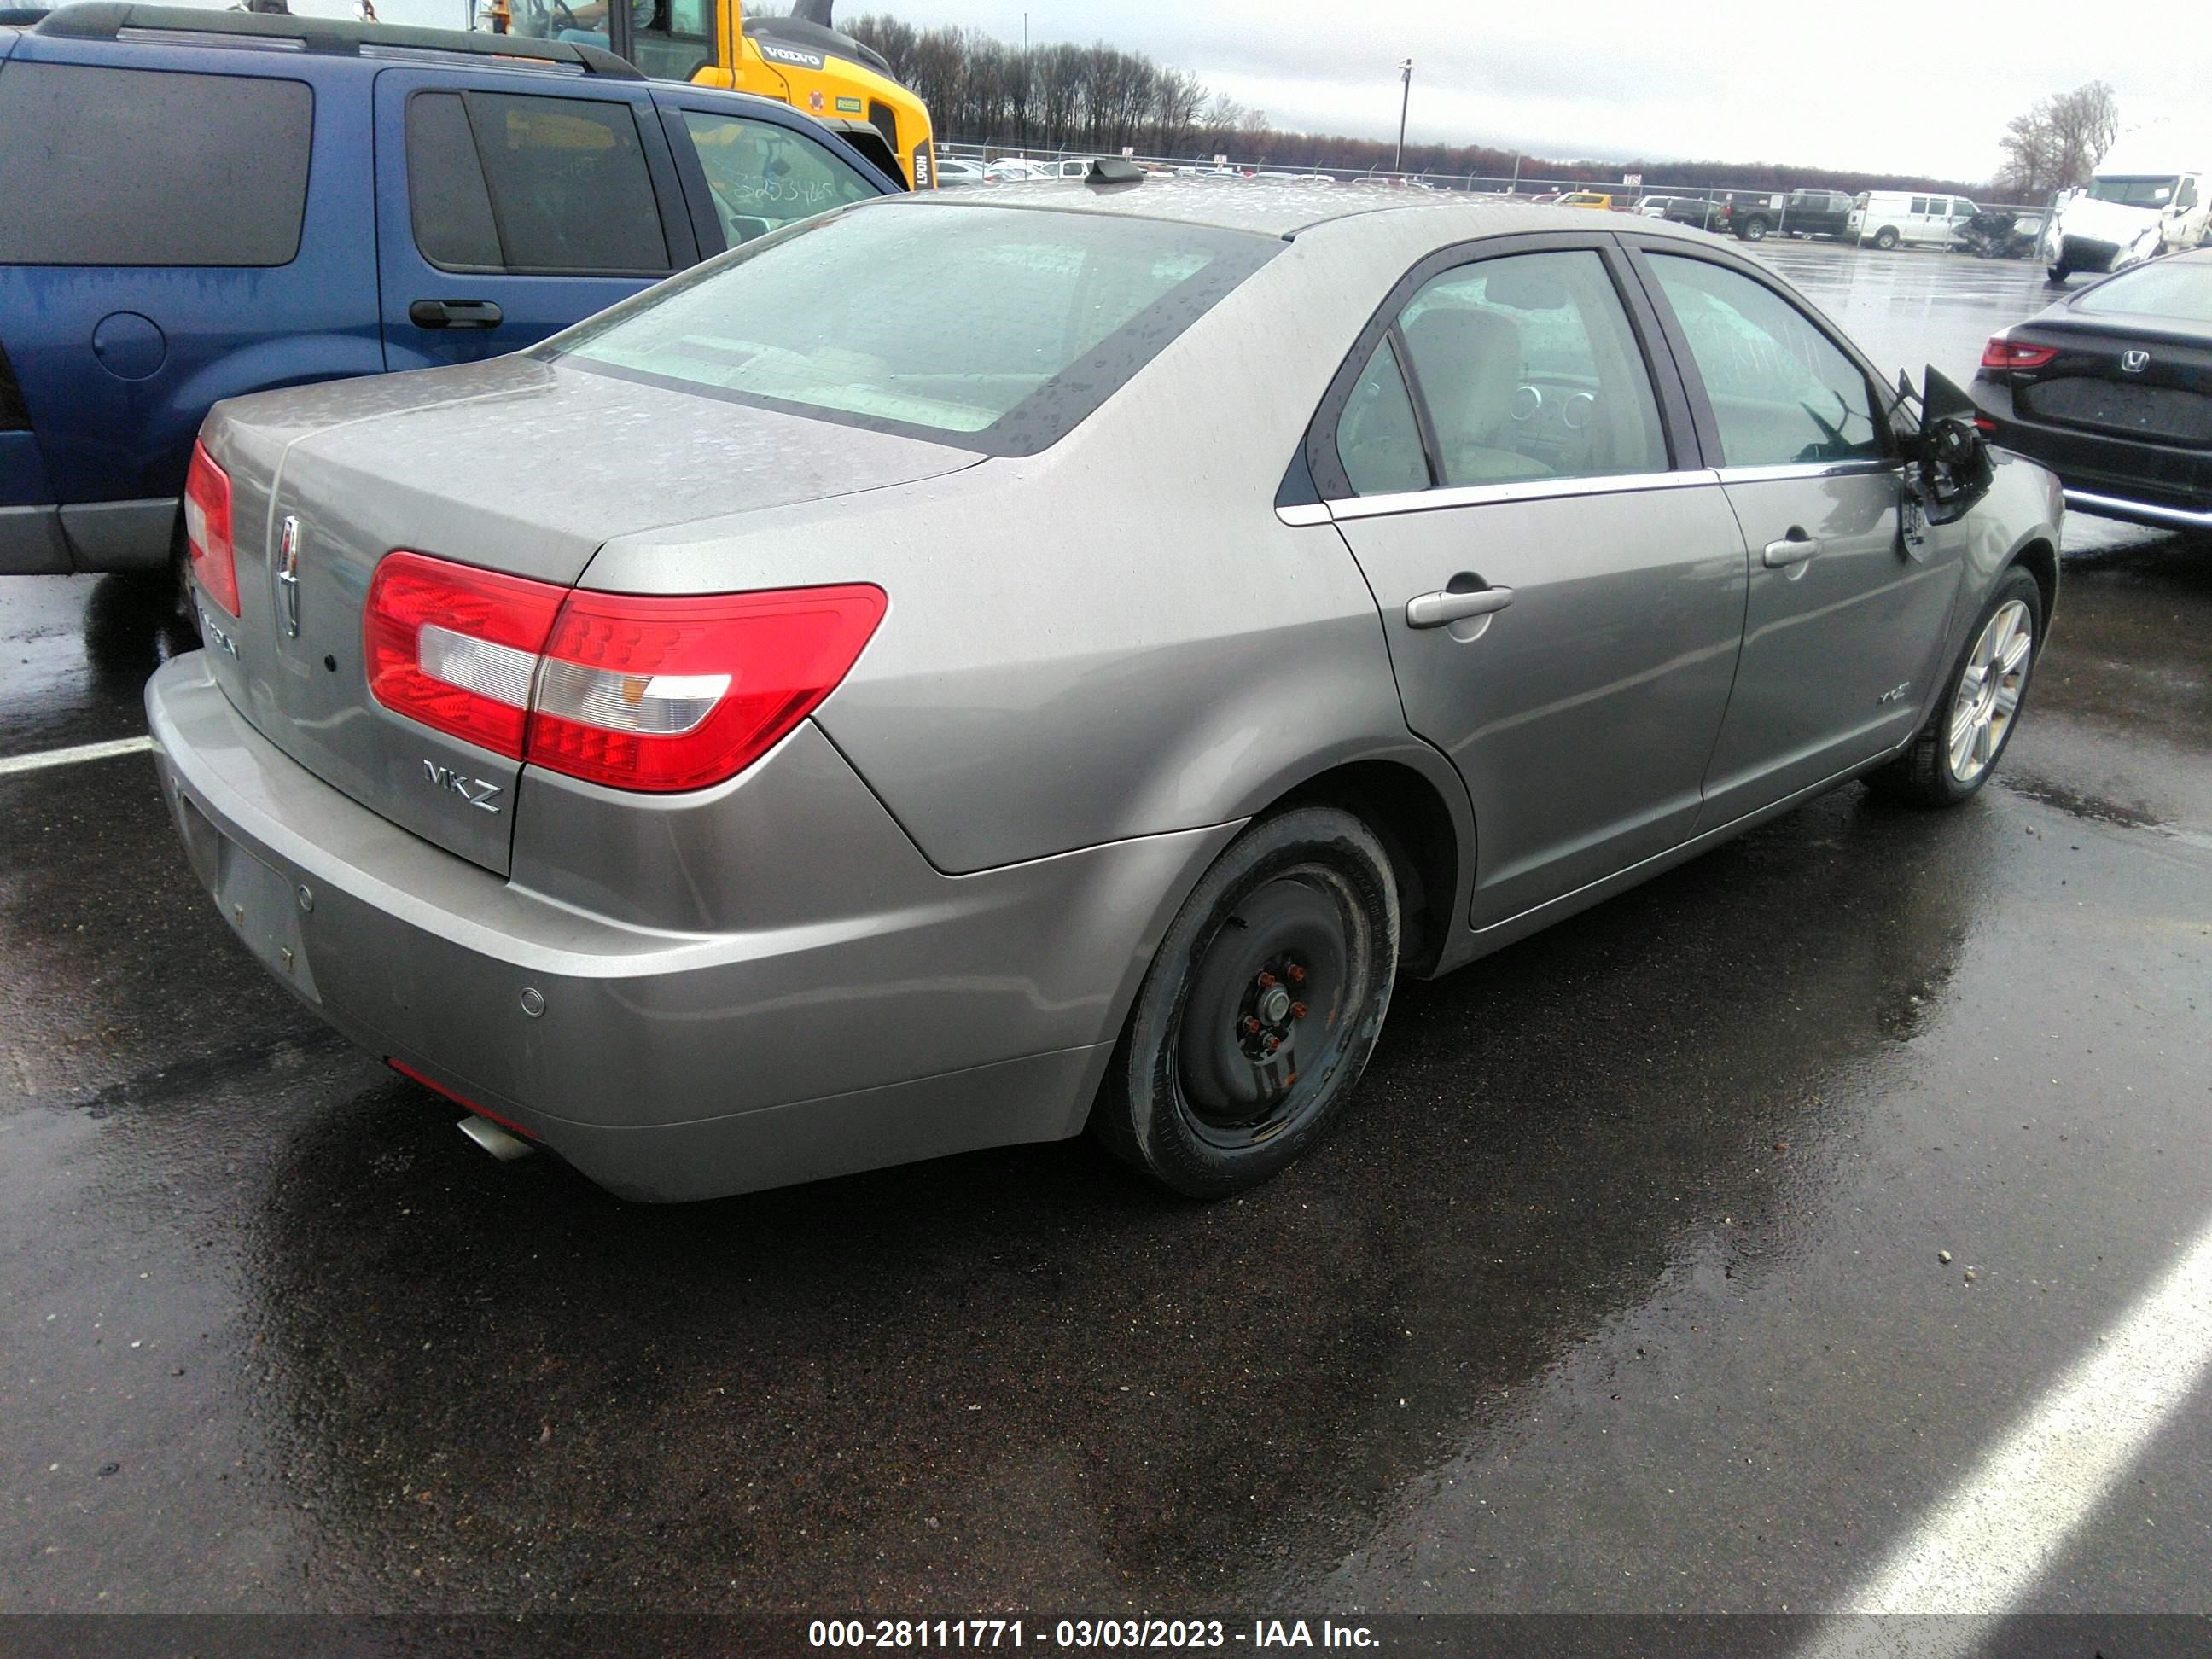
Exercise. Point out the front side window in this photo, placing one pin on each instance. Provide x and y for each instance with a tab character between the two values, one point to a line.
112	167
1920	204
2187	197
762	176
1781	391
1530	369
1001	326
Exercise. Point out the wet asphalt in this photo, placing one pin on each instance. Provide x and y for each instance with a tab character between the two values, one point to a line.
1617	1288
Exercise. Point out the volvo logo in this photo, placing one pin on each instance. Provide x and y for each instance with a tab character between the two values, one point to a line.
2135	361
287	575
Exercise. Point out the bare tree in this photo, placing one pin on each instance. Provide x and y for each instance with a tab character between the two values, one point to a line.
2056	145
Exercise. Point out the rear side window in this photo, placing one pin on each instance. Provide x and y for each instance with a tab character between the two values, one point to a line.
110	166
530	186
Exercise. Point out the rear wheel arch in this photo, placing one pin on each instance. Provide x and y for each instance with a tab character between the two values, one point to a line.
1429	846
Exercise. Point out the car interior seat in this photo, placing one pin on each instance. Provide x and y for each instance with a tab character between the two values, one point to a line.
1470	364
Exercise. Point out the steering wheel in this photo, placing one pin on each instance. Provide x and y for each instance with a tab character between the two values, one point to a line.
562	17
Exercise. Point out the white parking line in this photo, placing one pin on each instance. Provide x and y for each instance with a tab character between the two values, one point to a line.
11	765
1982	1550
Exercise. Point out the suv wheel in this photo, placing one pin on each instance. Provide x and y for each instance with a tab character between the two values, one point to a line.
1257	1016
1754	230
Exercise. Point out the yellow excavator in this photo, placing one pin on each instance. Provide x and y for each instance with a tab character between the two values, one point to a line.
801	60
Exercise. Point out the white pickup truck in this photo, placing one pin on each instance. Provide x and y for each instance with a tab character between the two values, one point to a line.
2144	200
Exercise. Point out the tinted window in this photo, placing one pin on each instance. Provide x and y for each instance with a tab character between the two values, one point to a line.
446	195
569	188
1004	325
105	166
762	176
1780	389
672	38
2178	289
1529	370
1377	439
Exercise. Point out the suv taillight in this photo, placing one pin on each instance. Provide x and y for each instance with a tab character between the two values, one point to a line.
207	529
2002	353
643	692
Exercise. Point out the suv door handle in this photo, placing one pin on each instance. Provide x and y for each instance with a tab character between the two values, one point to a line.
1435	610
1795	548
453	313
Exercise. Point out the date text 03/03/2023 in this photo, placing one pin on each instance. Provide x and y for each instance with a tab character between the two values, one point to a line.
1083	1633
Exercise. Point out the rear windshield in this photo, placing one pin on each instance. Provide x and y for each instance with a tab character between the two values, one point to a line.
2155	192
2177	288
999	327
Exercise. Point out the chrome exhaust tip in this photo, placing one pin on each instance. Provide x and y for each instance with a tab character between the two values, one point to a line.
495	1140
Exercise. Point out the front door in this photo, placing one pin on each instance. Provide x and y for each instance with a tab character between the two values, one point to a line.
1845	619
1563	602
515	214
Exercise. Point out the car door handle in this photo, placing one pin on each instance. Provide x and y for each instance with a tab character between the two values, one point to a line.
1435	610
453	313
1795	548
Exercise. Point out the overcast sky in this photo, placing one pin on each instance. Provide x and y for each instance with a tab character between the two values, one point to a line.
1902	86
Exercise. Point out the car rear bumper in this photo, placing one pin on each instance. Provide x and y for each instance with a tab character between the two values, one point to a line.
2147	483
944	1013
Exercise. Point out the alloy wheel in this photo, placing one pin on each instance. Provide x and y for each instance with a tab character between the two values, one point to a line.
1989	690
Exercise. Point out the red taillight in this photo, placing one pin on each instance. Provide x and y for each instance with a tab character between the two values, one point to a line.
2000	353
456	648
634	691
207	529
664	694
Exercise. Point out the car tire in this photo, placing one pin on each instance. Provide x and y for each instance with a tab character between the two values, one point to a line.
1886	238
1753	230
2057	275
1260	1008
1953	754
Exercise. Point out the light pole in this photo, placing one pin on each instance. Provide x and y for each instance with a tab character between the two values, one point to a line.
1406	74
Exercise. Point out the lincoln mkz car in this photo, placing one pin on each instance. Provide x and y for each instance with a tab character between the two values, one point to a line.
965	669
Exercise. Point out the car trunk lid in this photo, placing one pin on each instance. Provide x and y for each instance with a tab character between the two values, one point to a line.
2134	376
516	465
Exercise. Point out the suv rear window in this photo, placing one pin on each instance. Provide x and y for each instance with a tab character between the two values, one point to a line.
1034	318
529	184
114	167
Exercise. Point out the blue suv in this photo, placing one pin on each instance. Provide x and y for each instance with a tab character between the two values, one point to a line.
200	204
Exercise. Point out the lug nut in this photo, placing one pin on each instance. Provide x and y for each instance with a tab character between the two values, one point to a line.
1251	1026
1266	979
1297	1010
1298	974
1274	1042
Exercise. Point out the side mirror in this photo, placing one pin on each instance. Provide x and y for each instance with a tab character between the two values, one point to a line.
1949	458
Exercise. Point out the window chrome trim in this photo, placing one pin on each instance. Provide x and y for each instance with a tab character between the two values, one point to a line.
1529	489
1301	514
1744	474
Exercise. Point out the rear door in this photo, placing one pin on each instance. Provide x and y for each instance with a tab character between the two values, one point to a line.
507	208
1845	619
1562	586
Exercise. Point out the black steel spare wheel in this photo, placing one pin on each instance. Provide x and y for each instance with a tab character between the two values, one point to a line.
1261	1009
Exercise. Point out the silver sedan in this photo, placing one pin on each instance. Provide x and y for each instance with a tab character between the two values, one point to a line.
965	669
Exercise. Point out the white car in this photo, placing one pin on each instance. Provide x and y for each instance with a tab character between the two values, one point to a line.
2143	202
951	170
1016	170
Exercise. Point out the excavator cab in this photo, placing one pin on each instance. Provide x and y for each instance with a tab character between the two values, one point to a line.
801	60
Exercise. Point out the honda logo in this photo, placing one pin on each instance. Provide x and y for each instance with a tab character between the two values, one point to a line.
2135	361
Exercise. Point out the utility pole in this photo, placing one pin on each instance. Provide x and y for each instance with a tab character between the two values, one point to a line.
1406	74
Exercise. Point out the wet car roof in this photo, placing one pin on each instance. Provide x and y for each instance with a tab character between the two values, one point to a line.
1279	207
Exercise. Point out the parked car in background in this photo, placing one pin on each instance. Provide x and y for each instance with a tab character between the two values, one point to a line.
955	170
753	807
1917	218
1706	212
2112	388
1587	198
372	199
2150	195
1654	206
1803	213
2001	234
1016	170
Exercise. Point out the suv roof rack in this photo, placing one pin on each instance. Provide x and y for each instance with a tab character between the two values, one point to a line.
108	19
